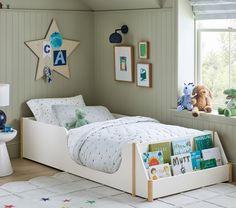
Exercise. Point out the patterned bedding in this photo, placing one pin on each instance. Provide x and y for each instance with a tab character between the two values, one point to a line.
98	145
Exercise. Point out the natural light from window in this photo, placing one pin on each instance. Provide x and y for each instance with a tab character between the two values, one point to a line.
217	56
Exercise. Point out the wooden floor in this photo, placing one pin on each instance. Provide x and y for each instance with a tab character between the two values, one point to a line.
26	169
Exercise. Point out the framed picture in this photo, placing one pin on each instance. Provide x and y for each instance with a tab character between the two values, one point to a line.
144	75
143	50
124	63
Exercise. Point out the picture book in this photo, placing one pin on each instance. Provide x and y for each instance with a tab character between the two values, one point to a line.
165	147
203	142
205	164
159	171
213	153
152	158
181	146
181	164
196	159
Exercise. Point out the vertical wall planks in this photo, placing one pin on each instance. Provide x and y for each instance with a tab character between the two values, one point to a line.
154	26
18	63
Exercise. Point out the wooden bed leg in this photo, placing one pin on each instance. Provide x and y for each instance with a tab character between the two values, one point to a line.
21	138
213	136
133	169
150	191
230	172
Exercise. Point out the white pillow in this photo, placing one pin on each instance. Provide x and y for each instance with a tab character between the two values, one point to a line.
66	113
42	108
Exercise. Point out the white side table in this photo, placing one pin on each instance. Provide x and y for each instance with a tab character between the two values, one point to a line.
5	163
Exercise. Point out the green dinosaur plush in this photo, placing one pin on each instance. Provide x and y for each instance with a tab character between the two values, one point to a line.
78	121
230	102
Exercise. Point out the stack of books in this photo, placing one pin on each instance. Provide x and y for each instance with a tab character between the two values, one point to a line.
157	160
165	159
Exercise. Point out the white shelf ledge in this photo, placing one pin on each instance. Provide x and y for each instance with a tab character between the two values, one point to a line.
213	116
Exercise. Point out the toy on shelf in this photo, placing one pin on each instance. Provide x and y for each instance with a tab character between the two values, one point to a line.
184	102
230	102
201	100
7	129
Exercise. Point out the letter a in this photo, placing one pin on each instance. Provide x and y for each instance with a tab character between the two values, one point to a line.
59	58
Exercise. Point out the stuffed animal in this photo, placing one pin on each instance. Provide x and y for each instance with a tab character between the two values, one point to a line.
230	102
184	102
78	121
201	100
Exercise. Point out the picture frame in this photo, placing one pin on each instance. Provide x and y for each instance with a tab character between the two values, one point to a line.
143	50
144	75
124	63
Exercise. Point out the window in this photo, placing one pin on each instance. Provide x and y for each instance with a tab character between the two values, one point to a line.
217	56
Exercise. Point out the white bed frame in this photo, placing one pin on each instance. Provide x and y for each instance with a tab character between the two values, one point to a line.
47	144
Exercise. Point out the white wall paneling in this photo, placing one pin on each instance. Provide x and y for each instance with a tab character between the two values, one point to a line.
185	41
18	63
155	26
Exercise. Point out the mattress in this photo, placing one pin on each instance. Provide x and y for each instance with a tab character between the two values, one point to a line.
99	145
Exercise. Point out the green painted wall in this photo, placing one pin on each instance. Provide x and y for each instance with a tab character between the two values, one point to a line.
18	63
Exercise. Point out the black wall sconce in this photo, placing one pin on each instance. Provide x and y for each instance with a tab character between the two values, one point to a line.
116	37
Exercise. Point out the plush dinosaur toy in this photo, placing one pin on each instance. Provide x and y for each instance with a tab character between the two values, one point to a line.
184	102
78	121
230	102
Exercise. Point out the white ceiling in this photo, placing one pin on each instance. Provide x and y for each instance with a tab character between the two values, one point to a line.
104	5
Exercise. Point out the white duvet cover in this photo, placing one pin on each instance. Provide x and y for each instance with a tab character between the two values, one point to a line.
98	145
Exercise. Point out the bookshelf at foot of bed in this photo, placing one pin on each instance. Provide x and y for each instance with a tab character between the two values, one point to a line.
47	144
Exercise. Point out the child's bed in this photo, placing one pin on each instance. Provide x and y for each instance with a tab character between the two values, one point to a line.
48	144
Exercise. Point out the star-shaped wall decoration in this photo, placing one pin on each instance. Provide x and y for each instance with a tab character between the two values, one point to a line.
53	52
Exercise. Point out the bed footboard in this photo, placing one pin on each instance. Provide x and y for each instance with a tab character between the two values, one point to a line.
179	183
